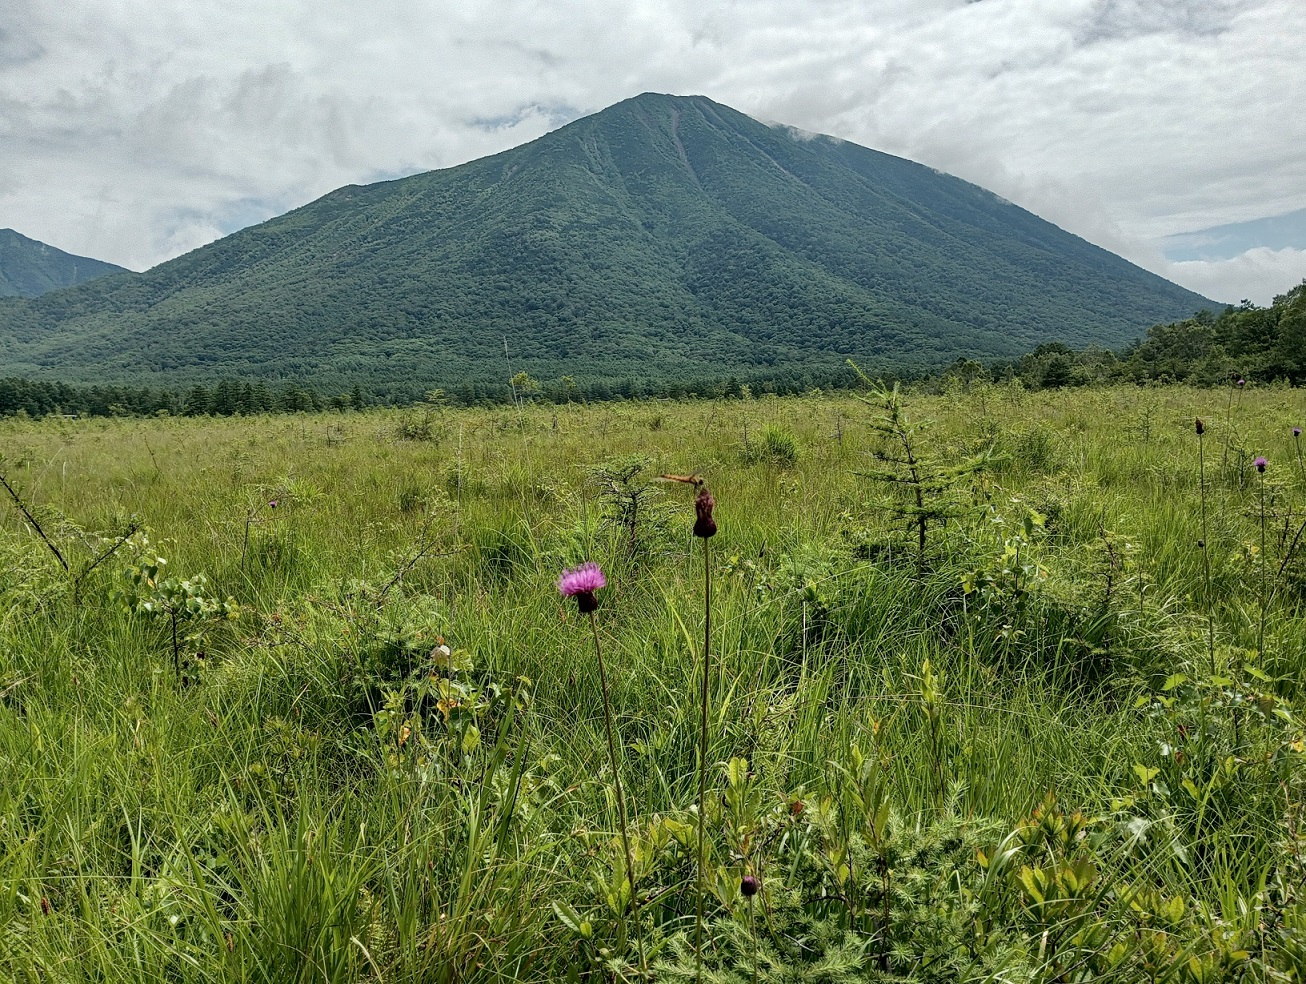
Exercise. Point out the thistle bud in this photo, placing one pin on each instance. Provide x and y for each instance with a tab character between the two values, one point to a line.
704	524
1201	426
748	886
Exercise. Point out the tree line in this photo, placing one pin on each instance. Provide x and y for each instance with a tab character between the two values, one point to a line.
1256	344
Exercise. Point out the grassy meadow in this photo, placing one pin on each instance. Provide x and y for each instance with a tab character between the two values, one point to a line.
1063	743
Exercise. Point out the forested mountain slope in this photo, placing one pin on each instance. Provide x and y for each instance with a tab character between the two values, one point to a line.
665	236
29	268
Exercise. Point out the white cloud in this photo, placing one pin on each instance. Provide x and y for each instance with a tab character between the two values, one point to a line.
136	130
1257	275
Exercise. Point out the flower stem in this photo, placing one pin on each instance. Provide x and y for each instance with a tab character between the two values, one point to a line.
1260	635
1206	553
702	754
621	799
752	932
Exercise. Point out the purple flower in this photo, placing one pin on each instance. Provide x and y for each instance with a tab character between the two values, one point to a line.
748	886
581	583
1241	381
1296	432
1260	464
272	504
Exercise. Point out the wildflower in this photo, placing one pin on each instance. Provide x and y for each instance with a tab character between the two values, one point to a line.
1201	426
704	524
442	656
1296	432
272	504
1241	381
1260	464
748	886
581	583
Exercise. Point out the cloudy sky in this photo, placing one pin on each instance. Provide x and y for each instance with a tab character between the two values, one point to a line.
1169	131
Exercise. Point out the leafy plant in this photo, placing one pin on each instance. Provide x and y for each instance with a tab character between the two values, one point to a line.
187	605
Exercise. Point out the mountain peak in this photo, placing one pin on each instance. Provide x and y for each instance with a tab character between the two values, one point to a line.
30	268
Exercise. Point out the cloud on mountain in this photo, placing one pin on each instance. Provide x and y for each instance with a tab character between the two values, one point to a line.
137	130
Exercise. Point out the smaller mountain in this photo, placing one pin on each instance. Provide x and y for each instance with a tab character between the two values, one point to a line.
29	268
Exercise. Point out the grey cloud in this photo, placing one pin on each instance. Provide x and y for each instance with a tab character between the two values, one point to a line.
1114	19
140	129
16	50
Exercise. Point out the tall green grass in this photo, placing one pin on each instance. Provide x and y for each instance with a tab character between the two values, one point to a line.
321	799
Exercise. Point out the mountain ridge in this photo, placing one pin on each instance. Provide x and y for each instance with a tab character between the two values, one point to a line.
30	268
663	235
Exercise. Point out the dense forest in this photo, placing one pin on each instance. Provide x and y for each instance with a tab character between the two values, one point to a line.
1248	342
228	397
1255	344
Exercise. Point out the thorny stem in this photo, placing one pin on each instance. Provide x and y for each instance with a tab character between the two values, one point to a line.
77	581
702	753
621	799
35	525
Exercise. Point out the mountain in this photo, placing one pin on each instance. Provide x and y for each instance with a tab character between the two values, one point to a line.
664	237
30	269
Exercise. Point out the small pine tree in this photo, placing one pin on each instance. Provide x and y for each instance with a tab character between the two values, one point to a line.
925	491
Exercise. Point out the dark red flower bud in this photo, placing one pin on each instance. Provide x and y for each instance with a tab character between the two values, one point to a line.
1201	426
748	886
795	808
704	524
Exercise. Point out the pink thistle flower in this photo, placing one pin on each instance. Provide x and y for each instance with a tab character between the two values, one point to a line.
581	583
1260	464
